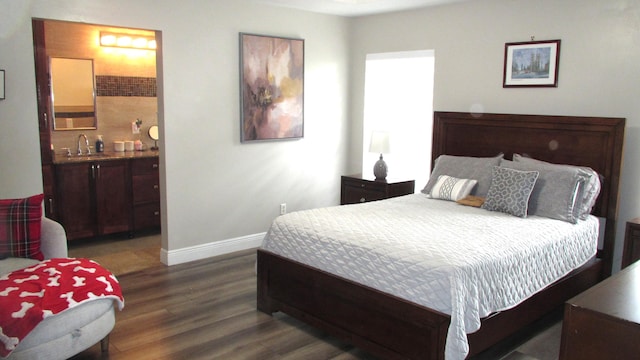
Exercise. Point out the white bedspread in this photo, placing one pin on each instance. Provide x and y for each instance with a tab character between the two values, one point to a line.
462	261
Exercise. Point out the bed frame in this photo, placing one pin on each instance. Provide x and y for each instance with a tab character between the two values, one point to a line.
393	328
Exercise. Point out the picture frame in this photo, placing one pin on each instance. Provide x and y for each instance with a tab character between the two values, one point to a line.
531	64
1	84
271	87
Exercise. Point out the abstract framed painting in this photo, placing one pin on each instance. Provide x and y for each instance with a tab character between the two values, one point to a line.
531	64
271	87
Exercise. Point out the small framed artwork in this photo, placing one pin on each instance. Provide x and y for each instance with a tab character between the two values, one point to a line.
1	84
531	64
271	87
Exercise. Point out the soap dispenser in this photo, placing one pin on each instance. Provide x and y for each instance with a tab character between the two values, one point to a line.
99	144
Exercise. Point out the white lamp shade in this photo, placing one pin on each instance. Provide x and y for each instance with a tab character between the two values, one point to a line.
379	142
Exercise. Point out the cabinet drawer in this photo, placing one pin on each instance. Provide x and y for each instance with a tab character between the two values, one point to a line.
145	166
357	194
146	216
146	188
365	185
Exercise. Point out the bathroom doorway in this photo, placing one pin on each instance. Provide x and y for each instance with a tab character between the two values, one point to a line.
125	109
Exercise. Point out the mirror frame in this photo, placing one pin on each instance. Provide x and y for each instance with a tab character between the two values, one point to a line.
74	111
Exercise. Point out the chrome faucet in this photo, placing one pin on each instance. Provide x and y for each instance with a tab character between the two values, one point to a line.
86	142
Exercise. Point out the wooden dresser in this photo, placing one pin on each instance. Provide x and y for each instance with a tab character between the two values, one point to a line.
604	321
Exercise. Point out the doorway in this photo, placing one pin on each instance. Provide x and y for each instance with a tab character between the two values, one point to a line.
125	109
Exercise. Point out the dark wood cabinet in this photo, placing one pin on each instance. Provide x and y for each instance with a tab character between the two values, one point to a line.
93	198
631	250
357	189
604	321
146	193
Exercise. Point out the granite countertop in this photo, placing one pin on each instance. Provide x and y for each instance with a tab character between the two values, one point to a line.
104	156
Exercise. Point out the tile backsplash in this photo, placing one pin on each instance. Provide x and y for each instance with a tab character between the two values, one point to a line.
107	85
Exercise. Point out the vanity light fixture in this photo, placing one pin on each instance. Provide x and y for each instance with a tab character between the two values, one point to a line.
132	41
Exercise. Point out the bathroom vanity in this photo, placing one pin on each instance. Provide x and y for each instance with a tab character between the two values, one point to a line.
107	193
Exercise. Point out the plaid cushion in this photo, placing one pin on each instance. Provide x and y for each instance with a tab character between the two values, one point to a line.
20	227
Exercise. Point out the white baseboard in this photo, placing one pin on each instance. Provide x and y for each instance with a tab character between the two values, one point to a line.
216	248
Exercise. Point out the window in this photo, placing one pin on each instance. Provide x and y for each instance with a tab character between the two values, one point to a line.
399	99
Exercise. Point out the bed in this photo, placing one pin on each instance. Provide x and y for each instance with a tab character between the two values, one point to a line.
391	326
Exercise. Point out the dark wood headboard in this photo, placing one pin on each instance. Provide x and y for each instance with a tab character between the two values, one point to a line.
595	142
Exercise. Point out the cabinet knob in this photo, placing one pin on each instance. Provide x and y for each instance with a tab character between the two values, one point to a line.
362	200
362	185
156	213
156	187
155	166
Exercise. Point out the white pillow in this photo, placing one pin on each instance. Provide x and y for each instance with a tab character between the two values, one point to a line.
450	188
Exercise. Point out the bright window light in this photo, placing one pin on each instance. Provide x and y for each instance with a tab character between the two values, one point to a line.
399	99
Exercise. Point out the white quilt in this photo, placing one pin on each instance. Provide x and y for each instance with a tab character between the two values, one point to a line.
463	261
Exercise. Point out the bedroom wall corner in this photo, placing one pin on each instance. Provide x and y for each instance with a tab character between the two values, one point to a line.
598	69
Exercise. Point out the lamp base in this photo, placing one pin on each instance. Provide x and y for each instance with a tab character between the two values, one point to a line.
380	170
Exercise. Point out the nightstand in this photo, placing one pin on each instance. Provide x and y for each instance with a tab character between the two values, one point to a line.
631	250
359	189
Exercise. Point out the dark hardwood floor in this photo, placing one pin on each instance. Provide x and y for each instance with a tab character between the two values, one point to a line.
206	309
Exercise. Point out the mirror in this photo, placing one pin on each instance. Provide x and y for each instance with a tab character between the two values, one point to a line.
153	134
73	94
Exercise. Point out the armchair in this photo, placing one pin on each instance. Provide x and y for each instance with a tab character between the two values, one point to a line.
69	332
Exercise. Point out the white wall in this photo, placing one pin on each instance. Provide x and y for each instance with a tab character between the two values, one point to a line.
215	188
219	189
598	75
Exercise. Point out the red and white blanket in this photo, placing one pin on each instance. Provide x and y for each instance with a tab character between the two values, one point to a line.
30	295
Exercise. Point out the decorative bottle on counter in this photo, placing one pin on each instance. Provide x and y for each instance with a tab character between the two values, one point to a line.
99	144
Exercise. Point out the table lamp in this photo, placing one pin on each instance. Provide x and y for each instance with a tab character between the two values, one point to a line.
380	144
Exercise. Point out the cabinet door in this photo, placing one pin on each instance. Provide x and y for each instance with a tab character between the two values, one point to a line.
75	199
113	202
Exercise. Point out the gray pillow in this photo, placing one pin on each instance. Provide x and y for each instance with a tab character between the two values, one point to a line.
464	167
592	183
510	191
557	193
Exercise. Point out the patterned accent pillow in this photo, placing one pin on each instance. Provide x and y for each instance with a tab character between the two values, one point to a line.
20	227
451	188
510	191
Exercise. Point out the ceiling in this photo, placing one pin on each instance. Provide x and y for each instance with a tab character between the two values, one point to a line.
355	7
